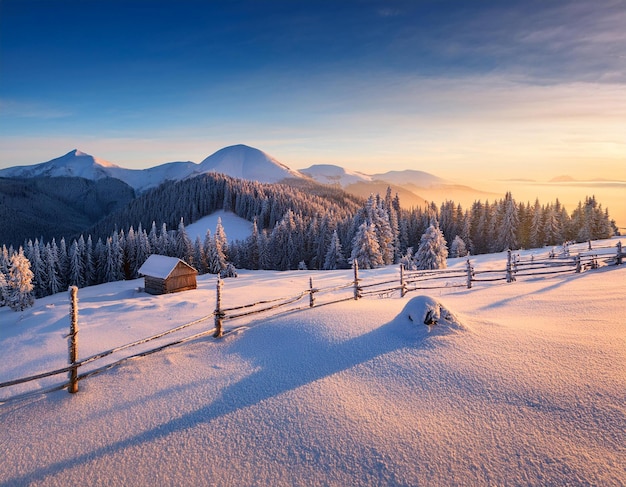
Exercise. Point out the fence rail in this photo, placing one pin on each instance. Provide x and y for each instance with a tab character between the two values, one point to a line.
409	281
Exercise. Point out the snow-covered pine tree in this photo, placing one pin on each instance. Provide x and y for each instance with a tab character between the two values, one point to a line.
90	262
334	256
99	259
252	246
153	239
199	259
210	252
184	247
433	251
384	234
76	271
39	270
221	243
551	230
365	248
112	268
130	253
509	223
164	244
142	251
64	263
19	294
265	254
51	263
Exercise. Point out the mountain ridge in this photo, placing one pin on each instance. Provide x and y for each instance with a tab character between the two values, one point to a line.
238	161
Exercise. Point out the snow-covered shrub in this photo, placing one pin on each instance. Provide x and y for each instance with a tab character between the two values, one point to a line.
228	271
407	260
3	289
19	289
458	247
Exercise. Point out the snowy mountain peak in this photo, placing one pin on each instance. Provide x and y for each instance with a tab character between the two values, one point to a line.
73	164
244	162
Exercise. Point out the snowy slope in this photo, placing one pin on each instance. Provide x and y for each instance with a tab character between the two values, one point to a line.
73	164
235	227
528	389
144	179
244	162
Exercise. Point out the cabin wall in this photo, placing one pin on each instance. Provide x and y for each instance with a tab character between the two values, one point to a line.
181	279
180	283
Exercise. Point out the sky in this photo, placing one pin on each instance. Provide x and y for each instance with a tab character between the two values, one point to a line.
465	89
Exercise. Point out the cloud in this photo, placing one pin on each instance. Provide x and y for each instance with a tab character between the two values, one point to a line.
31	109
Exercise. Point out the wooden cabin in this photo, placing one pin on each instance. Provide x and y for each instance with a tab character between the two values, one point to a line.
164	275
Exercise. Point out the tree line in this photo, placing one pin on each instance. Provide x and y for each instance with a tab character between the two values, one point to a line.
305	227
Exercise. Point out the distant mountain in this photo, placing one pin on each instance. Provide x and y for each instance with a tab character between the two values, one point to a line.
336	175
562	179
243	162
419	179
73	164
415	188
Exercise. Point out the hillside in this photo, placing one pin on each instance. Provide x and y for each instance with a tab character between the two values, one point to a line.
526	387
56	207
199	196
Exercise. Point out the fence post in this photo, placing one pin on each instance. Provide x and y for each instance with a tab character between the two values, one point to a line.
509	268
402	283
311	291
469	274
620	256
357	290
578	264
219	315
73	341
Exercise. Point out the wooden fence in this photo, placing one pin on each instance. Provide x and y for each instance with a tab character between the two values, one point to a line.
357	288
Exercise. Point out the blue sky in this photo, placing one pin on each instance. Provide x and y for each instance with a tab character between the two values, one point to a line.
466	88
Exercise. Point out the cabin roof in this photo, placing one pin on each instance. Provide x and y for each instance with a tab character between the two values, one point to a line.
161	266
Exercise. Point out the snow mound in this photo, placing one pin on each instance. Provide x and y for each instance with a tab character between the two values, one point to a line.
430	315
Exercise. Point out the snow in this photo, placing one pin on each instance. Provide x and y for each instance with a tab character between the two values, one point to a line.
235	227
518	384
160	266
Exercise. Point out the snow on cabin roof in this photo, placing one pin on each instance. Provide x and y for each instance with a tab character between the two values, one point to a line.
160	266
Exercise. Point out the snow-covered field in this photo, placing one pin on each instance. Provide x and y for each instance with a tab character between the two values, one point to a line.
527	387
